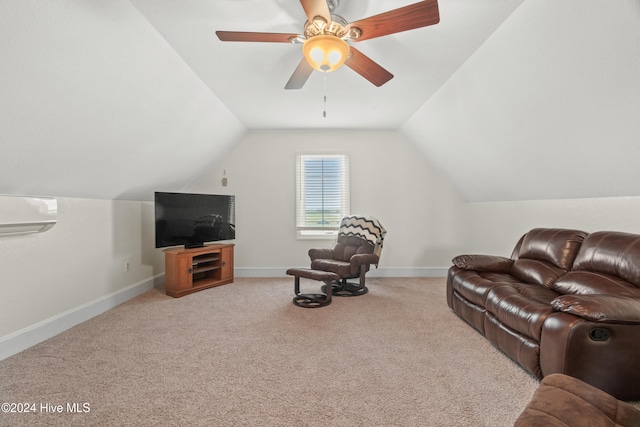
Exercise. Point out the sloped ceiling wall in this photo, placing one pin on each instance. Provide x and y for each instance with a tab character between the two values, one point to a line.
95	104
548	107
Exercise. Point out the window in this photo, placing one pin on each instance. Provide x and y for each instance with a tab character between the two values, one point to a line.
322	194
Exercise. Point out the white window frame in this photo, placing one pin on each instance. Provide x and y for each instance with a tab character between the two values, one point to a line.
304	230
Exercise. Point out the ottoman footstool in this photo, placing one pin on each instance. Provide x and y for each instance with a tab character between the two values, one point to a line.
312	300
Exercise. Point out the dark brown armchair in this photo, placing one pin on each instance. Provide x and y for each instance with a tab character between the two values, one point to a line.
358	246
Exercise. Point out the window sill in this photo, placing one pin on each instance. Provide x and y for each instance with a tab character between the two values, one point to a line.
316	234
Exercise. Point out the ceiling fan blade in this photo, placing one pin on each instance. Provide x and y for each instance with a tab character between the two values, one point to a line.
367	68
241	36
300	75
315	8
417	15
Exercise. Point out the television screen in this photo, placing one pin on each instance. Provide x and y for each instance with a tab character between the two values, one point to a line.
193	219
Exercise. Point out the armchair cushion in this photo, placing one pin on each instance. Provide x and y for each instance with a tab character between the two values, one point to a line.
345	269
341	268
346	258
323	253
363	259
348	246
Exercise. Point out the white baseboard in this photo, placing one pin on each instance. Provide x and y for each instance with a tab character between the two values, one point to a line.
374	272
41	331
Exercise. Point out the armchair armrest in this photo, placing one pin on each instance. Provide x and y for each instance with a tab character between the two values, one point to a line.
363	259
493	263
324	253
600	308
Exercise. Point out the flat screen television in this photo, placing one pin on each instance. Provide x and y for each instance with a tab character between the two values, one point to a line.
193	219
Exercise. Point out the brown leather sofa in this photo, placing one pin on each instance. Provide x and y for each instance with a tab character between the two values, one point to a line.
564	401
564	302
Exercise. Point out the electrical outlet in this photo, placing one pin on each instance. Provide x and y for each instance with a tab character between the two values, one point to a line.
127	266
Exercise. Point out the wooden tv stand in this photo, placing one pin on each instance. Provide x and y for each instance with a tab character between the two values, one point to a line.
192	270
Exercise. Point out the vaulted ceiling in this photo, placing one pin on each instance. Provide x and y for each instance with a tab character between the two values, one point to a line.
249	78
511	99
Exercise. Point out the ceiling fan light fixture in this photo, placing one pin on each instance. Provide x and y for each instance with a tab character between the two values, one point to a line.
325	53
326	36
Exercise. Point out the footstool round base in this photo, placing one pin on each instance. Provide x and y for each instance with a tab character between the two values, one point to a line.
311	300
339	289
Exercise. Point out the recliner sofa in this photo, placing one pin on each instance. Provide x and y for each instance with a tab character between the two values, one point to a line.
564	401
565	301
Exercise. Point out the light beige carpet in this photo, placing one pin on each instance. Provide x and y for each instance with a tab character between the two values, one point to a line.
243	355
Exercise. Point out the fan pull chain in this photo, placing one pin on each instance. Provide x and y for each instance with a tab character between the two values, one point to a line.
324	93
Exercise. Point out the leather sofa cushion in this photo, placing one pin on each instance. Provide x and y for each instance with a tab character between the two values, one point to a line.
606	264
552	245
534	271
522	349
611	253
590	283
546	254
474	285
522	307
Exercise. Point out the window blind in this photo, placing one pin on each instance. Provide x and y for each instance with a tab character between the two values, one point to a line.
322	199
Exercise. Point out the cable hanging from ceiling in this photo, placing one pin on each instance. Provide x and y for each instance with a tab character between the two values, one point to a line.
324	94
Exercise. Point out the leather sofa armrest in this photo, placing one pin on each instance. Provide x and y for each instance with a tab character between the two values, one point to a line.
324	253
600	308
363	259
492	263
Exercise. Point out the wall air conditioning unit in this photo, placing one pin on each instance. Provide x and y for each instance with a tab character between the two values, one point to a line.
23	214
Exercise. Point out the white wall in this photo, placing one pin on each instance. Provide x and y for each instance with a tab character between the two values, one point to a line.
390	179
427	221
79	263
52	280
495	227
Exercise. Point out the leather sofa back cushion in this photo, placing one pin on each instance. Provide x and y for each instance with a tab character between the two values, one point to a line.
606	264
546	254
552	245
612	253
536	272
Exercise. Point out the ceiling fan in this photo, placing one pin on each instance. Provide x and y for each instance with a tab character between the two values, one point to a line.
326	35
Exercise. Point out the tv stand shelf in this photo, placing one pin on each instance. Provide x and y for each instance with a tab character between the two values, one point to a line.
195	269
